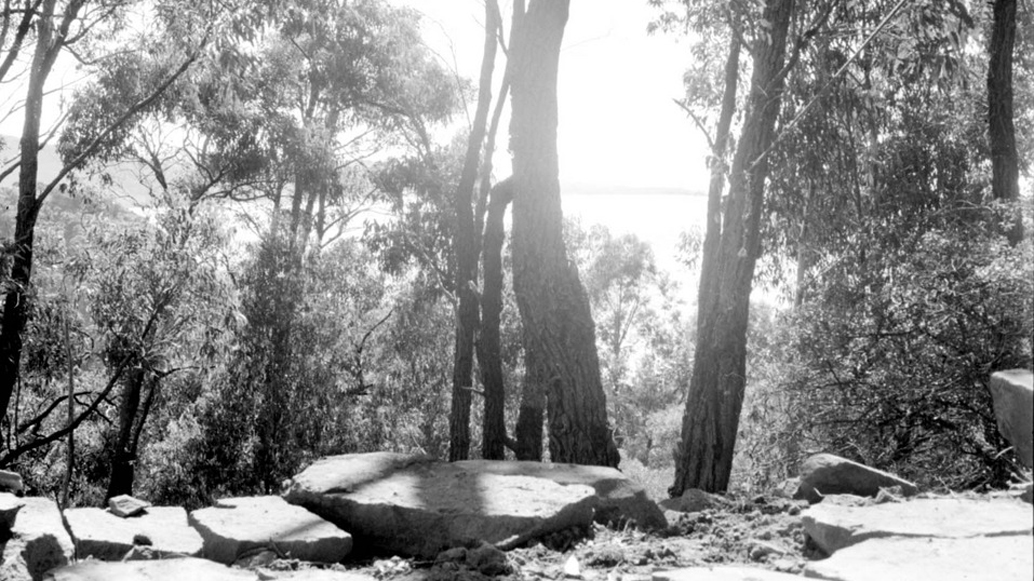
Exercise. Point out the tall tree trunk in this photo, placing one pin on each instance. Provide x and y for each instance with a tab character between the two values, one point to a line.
48	43
1005	183
466	248
489	343
559	334
717	385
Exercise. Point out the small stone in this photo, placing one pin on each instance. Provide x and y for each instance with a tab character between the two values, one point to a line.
141	553
488	560
826	474
9	507
453	555
11	482
572	570
126	506
256	559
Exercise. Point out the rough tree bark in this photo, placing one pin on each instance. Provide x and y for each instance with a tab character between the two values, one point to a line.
465	245
559	334
1005	183
704	455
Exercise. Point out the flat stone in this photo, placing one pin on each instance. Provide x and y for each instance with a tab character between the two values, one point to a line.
416	506
38	542
824	474
162	570
835	527
619	500
1008	558
237	525
1013	395
9	507
722	573
99	534
124	505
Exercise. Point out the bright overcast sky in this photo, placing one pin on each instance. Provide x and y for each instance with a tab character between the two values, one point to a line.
618	124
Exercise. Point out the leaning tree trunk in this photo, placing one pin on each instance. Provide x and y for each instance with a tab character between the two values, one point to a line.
559	334
1004	162
717	385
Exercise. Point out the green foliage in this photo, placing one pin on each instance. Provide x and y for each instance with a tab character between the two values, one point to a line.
895	371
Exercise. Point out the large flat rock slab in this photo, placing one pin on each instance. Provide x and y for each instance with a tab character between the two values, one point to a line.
834	527
1013	395
416	506
188	569
721	573
235	526
824	474
37	544
618	499
1009	558
100	534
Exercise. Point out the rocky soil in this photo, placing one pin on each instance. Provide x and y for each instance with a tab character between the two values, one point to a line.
763	532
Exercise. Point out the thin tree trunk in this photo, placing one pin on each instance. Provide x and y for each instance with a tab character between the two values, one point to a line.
716	389
466	249
1004	163
489	344
559	334
121	477
15	316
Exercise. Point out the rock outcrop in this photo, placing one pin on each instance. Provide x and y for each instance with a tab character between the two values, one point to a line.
1013	394
934	538
38	542
618	500
999	558
189	569
100	534
238	525
417	506
824	474
834	527
9	507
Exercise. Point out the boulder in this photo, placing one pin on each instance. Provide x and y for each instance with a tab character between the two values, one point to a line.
824	474
99	534
124	505
694	500
37	544
237	525
11	482
416	506
618	499
1013	395
721	573
191	569
1009	558
835	527
9	507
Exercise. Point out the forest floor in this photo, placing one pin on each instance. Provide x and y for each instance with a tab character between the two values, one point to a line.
764	532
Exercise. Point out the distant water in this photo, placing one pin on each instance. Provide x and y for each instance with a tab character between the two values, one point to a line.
657	218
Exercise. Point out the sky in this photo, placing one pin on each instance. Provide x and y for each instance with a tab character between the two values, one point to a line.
619	125
619	130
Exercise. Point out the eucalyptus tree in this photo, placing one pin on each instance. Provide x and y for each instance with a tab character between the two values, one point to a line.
91	32
561	361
